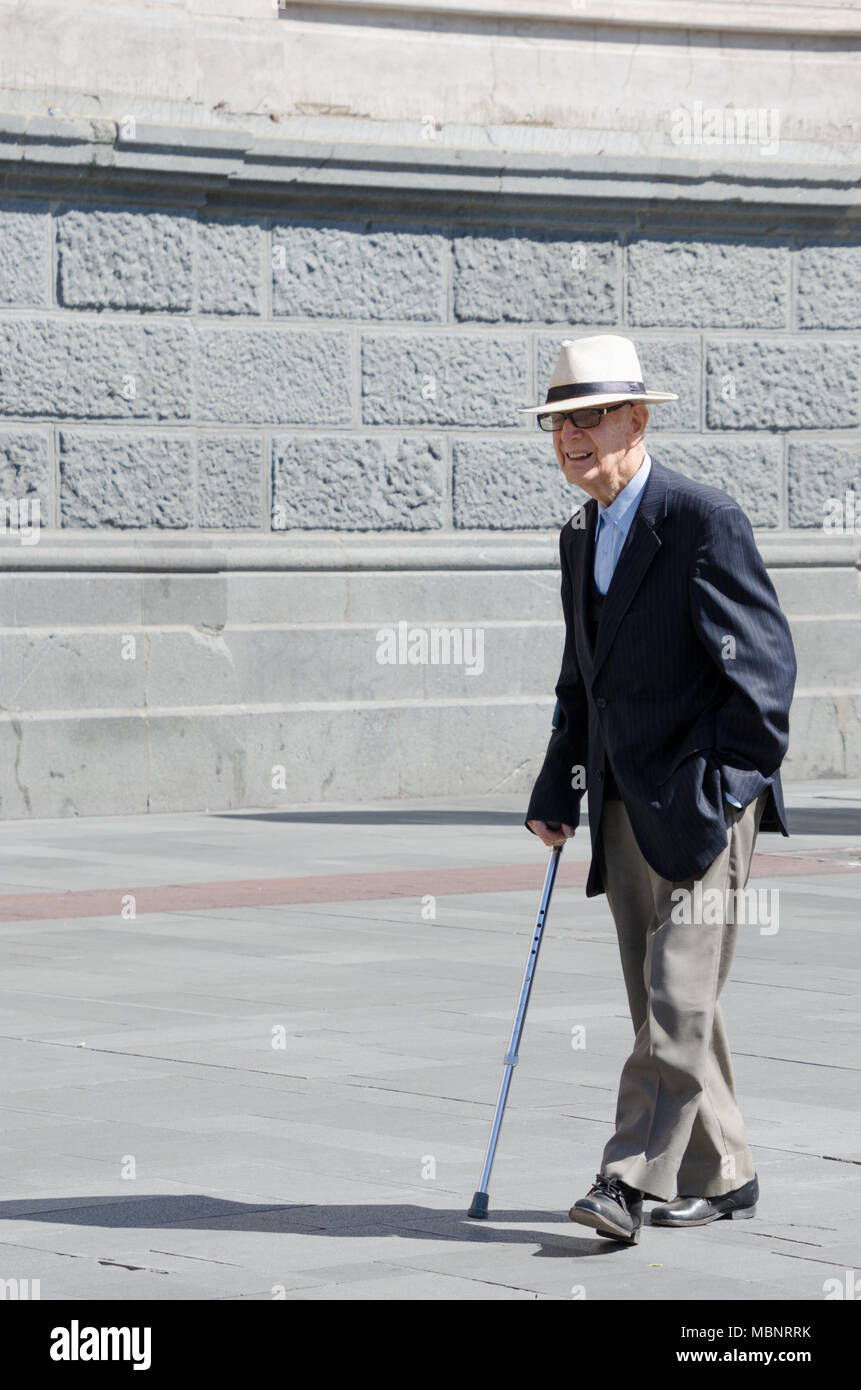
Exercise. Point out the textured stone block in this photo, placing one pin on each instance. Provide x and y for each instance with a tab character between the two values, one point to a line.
230	480
229	266
25	474
727	284
782	385
816	471
348	484
748	469
672	364
828	287
280	376
82	369
669	364
509	485
526	279
354	270
124	259
25	275
126	480
455	379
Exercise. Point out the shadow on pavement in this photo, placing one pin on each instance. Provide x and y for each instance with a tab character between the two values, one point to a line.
392	817
802	820
198	1212
823	820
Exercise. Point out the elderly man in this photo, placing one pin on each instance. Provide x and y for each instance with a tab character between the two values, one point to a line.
673	703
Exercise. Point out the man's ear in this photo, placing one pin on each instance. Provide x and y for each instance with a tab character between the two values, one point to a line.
639	420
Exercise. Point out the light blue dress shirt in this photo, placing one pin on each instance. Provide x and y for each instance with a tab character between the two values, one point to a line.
614	523
611	532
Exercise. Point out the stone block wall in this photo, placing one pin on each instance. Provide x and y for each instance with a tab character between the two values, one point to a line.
162	369
191	389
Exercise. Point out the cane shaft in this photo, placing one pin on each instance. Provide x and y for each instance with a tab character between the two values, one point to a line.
479	1206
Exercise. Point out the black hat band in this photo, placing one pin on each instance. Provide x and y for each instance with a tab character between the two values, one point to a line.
596	388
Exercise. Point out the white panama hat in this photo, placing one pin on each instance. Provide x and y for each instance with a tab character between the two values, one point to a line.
596	371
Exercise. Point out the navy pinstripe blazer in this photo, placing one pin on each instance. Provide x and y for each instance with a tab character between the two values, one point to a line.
688	688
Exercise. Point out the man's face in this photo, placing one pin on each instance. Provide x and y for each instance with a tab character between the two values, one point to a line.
608	455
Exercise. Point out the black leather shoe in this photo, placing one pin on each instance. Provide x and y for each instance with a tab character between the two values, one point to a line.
699	1211
612	1208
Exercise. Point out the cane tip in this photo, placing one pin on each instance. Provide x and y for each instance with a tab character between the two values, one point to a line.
480	1206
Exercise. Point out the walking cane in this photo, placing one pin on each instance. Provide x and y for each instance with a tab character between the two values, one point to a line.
480	1201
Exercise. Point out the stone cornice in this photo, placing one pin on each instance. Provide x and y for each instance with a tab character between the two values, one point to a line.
212	167
832	20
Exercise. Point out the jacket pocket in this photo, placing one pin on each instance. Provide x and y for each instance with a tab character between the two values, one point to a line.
699	740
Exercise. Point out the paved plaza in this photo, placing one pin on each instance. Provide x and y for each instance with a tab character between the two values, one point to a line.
256	1055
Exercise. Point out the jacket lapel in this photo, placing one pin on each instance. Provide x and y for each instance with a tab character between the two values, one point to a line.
583	562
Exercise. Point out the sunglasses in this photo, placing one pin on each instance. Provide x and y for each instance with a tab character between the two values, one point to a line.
585	419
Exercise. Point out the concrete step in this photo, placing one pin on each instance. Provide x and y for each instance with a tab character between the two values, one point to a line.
189	667
195	667
222	759
39	599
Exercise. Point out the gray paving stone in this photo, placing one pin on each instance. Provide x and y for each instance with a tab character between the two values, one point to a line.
254	1183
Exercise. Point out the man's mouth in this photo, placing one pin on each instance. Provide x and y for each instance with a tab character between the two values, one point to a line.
577	458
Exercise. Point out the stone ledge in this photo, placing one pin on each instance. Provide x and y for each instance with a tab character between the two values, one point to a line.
466	550
724	15
201	166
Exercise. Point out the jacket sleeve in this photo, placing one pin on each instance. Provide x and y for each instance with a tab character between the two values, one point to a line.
738	619
560	784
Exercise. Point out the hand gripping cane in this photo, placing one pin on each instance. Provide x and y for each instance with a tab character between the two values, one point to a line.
481	1200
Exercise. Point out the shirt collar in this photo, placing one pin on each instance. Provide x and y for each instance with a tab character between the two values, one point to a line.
629	496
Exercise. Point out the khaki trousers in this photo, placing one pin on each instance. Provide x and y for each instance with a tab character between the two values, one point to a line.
678	1126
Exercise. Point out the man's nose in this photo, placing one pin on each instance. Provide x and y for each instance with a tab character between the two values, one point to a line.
569	431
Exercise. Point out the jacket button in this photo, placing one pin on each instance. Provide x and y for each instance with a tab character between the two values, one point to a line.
601	702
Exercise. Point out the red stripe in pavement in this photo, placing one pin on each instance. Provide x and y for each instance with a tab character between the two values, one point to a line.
338	888
274	892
